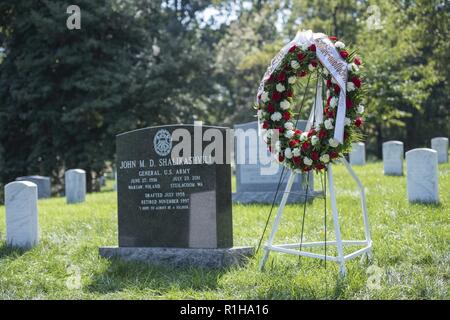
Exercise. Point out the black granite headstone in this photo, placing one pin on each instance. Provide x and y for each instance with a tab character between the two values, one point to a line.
168	201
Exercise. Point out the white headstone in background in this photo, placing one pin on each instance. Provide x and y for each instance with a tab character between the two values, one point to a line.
358	154
422	175
393	158
440	144
115	180
75	185
22	226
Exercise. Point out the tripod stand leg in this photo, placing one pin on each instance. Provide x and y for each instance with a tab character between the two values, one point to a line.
337	228
277	220
363	205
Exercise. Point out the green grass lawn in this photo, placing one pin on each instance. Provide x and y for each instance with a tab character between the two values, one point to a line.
411	252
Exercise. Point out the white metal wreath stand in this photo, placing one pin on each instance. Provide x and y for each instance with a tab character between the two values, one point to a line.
339	243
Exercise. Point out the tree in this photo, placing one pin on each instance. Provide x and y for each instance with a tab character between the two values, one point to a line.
65	94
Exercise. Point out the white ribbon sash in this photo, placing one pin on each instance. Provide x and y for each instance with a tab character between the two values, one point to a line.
316	114
335	64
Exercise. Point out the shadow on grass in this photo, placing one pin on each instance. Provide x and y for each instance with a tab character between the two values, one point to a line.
122	275
433	205
12	252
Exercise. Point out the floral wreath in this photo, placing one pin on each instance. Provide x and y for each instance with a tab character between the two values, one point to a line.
316	147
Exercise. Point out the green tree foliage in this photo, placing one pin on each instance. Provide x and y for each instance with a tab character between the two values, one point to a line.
65	94
404	45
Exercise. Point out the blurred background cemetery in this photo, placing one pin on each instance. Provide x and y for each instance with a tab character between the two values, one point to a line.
65	94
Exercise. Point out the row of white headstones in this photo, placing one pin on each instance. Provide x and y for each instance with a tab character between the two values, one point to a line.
422	171
22	225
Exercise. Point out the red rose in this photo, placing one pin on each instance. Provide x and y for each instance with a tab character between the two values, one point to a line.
332	38
305	146
300	56
333	154
314	63
289	94
297	160
315	155
280	130
270	79
293	48
306	169
301	73
270	108
337	89
319	166
329	100
358	122
293	143
322	134
276	96
312	48
286	115
266	125
311	132
298	132
344	54
331	113
280	158
282	77
328	112
357	82
357	61
329	83
348	103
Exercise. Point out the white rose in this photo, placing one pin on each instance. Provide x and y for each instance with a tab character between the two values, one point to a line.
325	158
307	161
339	45
280	87
353	67
295	64
304	136
311	67
333	80
288	153
328	124
296	152
278	146
304	46
333	102
285	105
333	142
360	109
276	116
289	125
292	80
259	114
325	71
265	96
289	134
314	140
350	86
347	121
